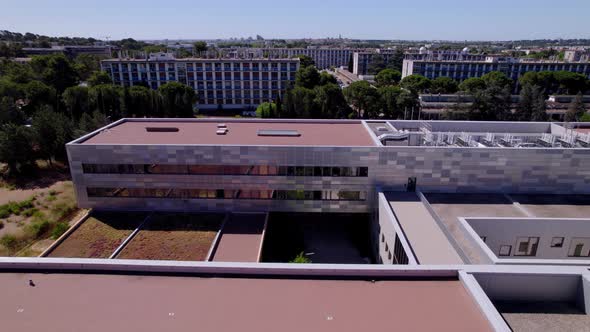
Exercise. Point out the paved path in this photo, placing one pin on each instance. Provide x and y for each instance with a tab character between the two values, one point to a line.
241	238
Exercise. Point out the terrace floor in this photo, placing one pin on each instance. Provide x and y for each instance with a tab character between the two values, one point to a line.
99	235
449	207
241	238
180	237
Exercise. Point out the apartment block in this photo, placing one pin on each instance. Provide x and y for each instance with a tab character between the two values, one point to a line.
362	60
323	57
229	83
512	67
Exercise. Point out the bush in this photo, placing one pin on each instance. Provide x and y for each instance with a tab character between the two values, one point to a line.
4	212
59	229
301	259
15	207
1	224
38	226
30	212
62	210
9	241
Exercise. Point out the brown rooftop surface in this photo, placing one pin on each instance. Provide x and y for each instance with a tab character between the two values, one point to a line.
241	239
426	238
70	302
240	133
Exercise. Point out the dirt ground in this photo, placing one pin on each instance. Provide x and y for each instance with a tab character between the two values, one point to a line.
182	237
99	235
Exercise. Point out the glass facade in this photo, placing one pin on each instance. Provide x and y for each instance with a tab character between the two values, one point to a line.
261	170
263	194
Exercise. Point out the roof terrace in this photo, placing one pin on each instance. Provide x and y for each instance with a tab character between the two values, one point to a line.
232	132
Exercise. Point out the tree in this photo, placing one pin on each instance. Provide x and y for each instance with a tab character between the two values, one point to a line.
444	85
305	61
9	113
498	79
76	101
407	102
300	103
524	110
396	61
15	147
51	133
177	100
266	110
327	78
389	101
363	98
331	102
89	123
539	106
200	47
86	65
415	83
491	104
545	80
388	77
472	85
138	101
37	94
376	64
570	83
576	110
307	77
98	78
107	99
55	70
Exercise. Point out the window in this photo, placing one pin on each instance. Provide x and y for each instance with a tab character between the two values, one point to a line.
505	250
224	170
557	242
526	246
579	247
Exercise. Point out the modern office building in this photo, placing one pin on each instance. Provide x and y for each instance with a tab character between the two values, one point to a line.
229	83
317	166
513	68
483	225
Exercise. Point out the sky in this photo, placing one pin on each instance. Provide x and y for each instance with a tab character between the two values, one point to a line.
362	19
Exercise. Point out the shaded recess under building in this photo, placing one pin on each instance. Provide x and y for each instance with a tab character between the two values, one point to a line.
322	237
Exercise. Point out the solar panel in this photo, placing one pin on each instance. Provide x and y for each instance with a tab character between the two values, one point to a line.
280	133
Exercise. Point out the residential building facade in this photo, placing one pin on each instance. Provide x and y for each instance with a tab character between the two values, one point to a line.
229	83
513	68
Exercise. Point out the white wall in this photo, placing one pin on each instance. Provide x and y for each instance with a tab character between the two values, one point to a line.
506	231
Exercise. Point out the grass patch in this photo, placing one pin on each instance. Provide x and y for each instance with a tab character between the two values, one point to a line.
16	208
9	241
301	259
59	229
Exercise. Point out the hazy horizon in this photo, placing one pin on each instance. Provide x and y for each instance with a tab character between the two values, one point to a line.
458	20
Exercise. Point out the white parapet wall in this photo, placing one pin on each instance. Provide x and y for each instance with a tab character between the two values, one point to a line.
554	241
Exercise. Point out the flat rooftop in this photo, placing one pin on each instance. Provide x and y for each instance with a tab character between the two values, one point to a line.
73	302
428	242
245	132
450	207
